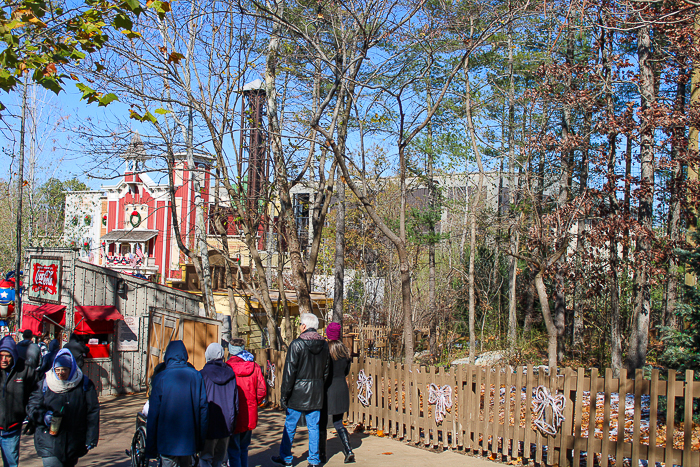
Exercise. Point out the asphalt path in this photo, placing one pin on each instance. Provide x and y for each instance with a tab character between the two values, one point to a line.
118	423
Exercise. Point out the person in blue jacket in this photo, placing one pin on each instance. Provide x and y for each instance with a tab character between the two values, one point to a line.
178	410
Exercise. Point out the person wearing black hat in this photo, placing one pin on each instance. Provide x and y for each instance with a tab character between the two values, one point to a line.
78	348
28	351
66	412
18	381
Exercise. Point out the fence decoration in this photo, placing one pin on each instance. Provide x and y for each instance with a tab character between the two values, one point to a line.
540	402
441	398
605	416
271	370
364	386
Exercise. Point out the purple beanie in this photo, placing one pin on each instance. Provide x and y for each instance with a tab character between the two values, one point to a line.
333	331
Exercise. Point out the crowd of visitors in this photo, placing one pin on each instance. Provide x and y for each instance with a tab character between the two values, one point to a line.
208	414
45	393
213	412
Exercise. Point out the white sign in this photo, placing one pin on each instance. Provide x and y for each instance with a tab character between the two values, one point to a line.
128	334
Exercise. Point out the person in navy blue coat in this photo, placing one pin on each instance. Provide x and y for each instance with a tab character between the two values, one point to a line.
222	393
178	410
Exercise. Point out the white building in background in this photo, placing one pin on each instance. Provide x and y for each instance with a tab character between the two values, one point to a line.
83	222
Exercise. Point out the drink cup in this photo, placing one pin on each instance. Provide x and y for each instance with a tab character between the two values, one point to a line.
55	424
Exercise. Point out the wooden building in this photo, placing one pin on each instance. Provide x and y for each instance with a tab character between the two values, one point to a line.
112	310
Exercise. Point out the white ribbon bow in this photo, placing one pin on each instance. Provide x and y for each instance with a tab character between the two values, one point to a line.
364	386
271	374
441	397
543	399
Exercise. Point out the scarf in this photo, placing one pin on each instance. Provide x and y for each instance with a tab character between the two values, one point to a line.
311	335
59	386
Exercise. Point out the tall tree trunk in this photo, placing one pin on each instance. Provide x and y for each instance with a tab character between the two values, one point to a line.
472	215
674	220
564	192
577	321
606	46
294	246
639	338
339	260
432	193
514	234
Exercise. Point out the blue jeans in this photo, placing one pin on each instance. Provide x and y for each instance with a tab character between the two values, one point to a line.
9	444
238	449
290	428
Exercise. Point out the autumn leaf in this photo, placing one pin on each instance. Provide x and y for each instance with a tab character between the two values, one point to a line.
175	58
50	69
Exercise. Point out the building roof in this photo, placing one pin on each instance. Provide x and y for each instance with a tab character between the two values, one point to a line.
127	235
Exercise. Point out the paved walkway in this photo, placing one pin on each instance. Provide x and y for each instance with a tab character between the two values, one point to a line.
118	424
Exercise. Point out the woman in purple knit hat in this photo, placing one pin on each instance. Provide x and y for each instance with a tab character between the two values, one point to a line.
337	394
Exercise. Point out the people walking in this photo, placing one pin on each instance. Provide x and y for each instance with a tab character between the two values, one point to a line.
66	413
78	348
337	393
222	394
18	381
47	360
178	410
305	371
28	351
251	392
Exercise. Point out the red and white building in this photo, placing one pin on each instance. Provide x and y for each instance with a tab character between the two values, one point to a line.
129	226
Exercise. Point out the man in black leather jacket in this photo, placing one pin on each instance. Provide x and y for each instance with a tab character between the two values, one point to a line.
305	371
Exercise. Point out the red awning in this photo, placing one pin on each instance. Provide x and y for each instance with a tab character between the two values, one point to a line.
33	316
95	319
95	313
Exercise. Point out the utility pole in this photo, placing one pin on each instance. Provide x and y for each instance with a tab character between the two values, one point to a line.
20	189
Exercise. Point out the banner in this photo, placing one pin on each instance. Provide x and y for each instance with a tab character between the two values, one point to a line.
45	279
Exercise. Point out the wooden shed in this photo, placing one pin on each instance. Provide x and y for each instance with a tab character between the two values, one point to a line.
110	308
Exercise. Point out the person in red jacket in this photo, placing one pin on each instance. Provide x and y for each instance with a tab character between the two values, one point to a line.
251	392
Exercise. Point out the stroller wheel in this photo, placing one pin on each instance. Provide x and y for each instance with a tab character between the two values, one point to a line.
138	448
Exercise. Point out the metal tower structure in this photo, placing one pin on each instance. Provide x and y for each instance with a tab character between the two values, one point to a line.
253	160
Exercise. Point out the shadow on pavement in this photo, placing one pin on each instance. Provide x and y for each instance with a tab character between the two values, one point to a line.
268	434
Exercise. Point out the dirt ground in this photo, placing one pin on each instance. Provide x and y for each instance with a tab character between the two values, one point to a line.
117	425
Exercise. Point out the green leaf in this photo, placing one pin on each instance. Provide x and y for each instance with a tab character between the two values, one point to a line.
132	4
122	21
107	99
162	111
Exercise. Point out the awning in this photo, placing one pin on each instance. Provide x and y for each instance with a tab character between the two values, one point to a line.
96	319
33	316
125	235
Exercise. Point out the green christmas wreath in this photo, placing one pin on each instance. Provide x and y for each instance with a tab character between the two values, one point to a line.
104	219
87	219
135	219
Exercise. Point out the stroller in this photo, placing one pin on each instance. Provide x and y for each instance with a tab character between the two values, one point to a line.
138	444
137	453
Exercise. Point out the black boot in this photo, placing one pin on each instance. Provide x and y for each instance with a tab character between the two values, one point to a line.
322	436
345	442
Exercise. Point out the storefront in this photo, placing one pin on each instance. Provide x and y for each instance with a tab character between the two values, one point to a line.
110	310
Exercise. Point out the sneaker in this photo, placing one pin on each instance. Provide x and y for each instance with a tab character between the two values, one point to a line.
280	461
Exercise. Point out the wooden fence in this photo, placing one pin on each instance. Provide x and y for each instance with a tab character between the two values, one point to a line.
491	412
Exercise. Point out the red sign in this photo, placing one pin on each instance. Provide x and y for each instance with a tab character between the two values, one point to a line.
45	278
